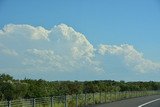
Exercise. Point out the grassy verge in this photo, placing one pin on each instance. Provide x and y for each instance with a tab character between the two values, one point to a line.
79	100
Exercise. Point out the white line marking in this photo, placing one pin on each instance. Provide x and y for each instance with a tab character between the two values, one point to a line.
149	102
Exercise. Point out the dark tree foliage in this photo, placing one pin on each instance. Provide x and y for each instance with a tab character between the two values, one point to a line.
28	88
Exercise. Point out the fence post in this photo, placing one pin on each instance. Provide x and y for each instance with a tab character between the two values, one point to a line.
8	103
118	96
52	101
126	94
76	100
110	97
93	99
100	97
85	98
136	93
65	98
105	97
130	94
33	102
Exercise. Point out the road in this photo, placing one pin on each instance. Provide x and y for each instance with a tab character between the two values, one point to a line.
148	101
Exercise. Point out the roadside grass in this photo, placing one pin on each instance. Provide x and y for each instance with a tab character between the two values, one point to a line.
79	100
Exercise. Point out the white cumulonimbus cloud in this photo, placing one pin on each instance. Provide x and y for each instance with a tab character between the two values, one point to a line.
134	59
25	31
61	49
7	51
58	49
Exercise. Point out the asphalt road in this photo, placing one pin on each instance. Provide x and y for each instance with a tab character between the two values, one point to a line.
154	104
147	101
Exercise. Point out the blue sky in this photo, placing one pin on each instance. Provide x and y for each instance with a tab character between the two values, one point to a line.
130	26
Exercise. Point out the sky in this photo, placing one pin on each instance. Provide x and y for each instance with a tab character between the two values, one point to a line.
80	39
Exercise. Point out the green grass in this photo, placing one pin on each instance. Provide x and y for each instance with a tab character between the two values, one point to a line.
70	101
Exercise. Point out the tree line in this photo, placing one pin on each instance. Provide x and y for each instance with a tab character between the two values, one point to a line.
11	88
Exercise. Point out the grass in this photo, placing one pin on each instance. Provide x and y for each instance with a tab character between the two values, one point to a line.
82	99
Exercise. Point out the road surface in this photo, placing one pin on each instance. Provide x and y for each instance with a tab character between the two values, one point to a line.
148	101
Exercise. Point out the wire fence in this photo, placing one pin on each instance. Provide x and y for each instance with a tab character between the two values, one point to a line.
76	100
